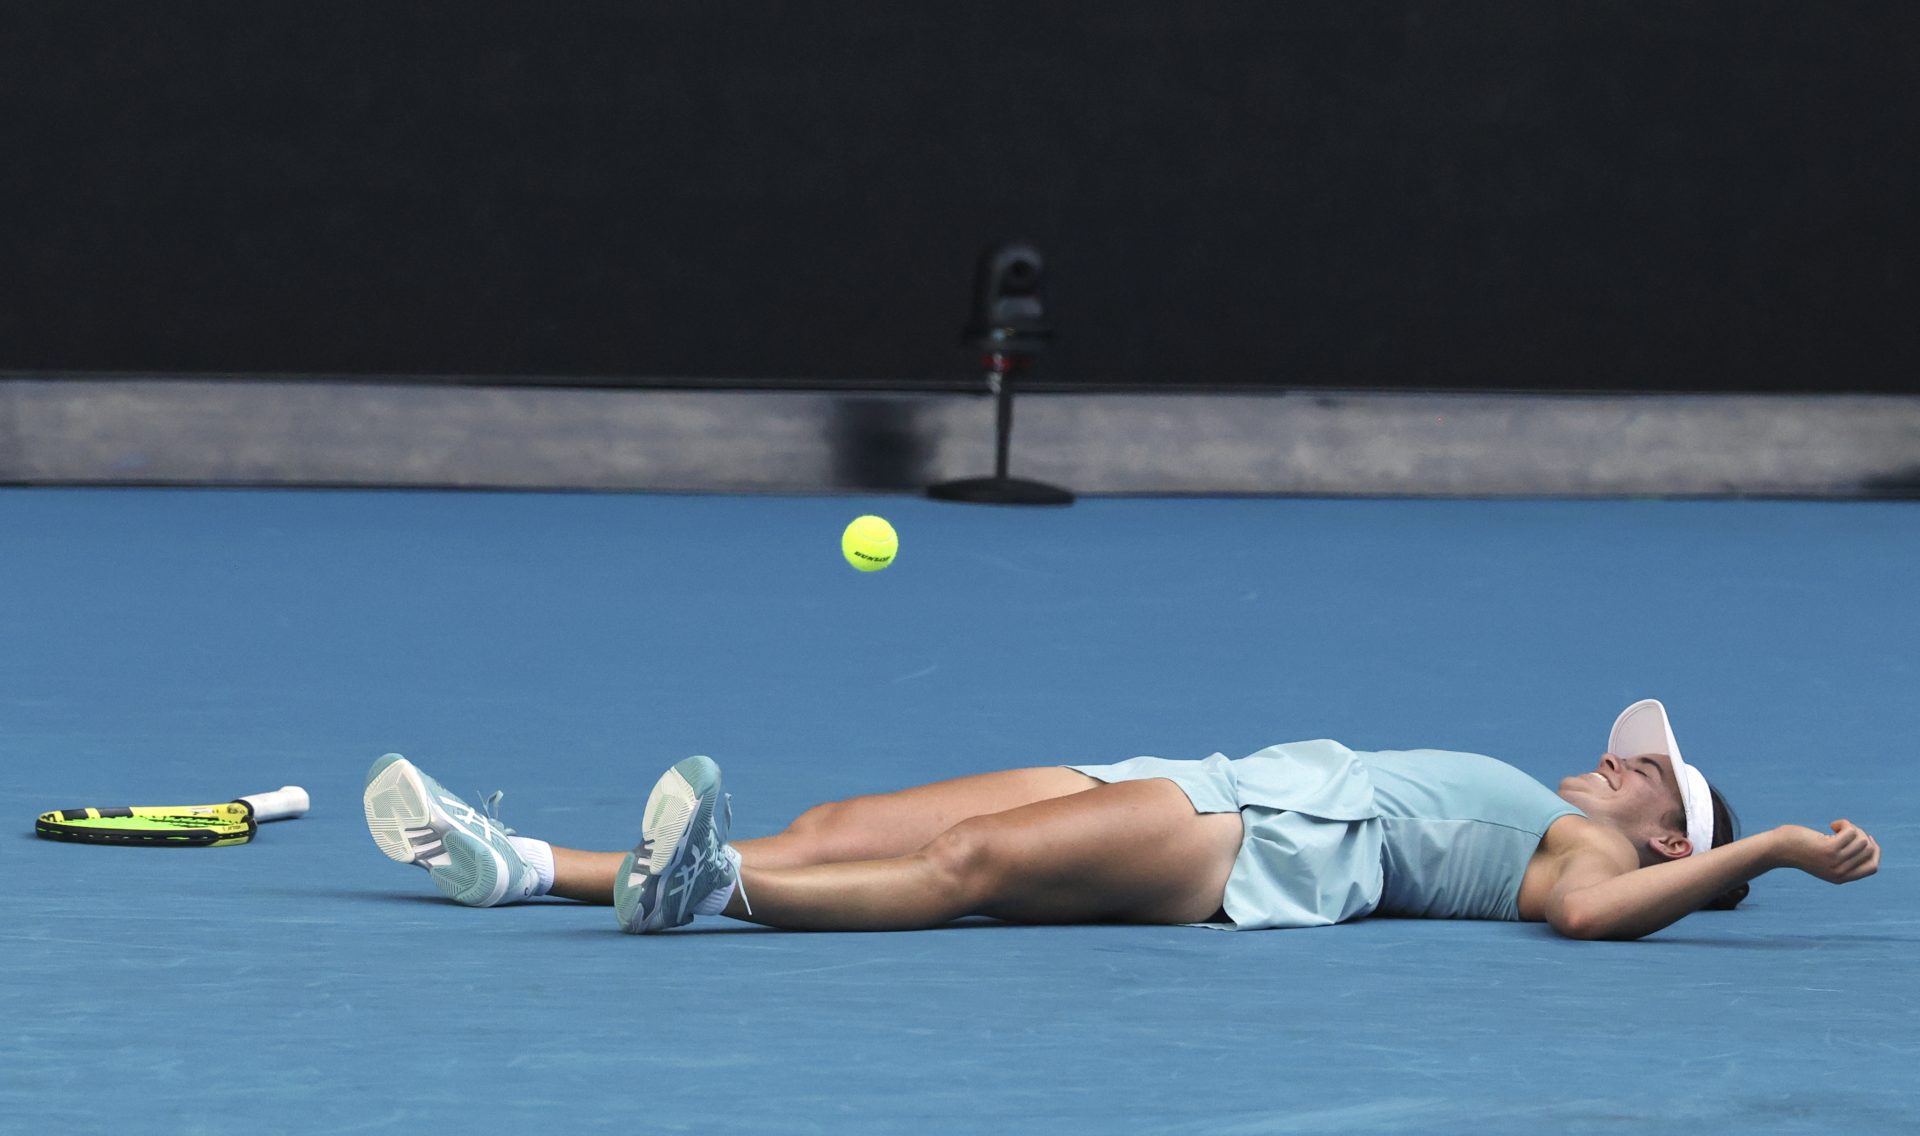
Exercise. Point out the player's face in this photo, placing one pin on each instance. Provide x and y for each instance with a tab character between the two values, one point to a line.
1635	794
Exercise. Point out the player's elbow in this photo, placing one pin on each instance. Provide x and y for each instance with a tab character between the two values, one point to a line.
1585	921
1577	928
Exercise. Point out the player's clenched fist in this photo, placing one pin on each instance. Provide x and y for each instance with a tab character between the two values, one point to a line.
1848	855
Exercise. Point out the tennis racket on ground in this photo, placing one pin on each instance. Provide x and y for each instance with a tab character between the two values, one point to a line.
174	826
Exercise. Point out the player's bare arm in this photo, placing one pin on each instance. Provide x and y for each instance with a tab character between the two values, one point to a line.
1588	884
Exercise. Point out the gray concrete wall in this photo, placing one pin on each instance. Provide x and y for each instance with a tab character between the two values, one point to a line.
162	431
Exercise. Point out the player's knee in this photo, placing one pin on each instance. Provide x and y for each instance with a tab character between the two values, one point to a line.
816	820
967	860
829	832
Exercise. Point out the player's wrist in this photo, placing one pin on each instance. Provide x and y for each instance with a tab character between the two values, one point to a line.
1779	845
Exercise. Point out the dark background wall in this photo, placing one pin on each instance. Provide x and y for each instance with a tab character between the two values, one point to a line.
1493	194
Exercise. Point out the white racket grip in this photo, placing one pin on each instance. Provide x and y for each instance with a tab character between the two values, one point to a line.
290	801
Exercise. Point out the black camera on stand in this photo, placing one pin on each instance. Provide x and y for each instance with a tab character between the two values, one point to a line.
1009	328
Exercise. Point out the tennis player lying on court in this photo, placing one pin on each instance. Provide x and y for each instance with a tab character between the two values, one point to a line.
1296	835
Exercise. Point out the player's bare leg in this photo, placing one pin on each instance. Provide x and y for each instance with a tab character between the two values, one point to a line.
875	827
1134	851
585	876
884	825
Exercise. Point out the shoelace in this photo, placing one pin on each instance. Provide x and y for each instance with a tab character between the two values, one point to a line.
739	881
491	803
492	806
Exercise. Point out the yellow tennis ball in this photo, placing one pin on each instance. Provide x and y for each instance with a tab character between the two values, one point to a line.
869	543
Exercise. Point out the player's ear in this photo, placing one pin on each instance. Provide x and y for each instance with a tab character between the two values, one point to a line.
1670	845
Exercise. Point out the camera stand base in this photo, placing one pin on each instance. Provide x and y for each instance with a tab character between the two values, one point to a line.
1000	491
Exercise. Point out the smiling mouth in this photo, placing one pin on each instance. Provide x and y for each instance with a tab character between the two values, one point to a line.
1603	780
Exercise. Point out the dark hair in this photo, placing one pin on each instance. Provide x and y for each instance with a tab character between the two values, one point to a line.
1726	827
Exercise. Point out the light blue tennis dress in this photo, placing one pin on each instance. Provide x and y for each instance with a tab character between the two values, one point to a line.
1334	834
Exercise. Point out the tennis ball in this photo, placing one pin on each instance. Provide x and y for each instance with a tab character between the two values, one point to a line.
869	543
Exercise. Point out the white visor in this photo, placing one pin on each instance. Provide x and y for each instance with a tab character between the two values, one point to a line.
1643	728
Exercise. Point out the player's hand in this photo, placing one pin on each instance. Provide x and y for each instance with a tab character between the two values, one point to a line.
1848	855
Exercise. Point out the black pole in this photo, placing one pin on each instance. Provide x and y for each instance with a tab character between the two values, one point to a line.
997	368
1010	328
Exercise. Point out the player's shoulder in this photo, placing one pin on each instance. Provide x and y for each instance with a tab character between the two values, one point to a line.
1575	849
1577	837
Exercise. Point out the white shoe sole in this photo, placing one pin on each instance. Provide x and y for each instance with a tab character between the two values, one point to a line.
411	828
668	811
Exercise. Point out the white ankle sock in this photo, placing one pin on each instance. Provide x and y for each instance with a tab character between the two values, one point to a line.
539	855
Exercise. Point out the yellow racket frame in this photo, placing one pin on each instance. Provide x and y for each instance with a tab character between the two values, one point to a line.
154	826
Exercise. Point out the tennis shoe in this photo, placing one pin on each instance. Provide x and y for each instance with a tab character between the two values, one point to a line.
466	852
683	865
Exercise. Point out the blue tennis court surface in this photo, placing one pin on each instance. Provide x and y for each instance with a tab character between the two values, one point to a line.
172	646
